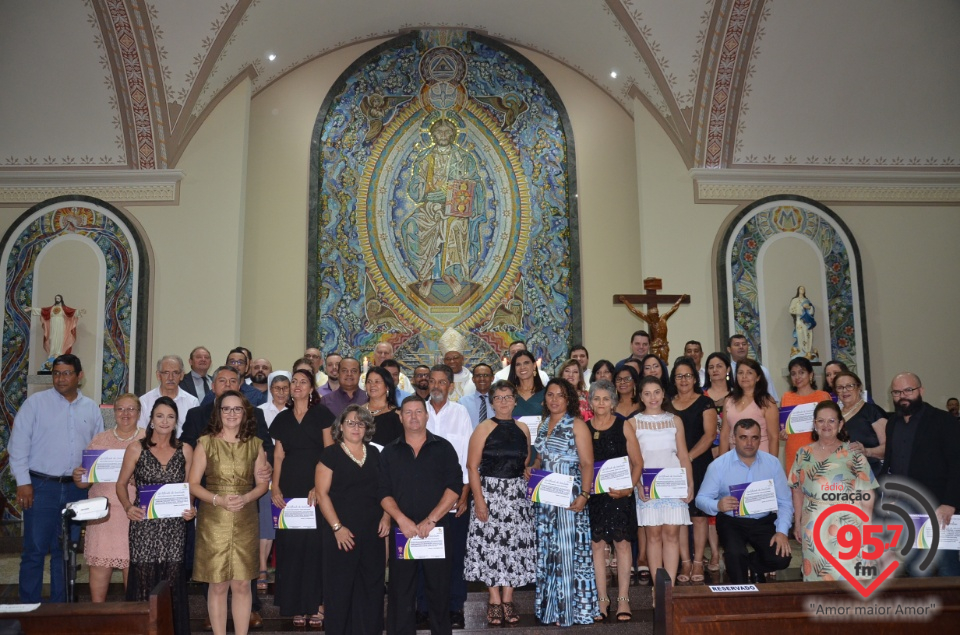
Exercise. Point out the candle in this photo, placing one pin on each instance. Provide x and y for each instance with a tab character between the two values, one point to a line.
366	364
539	362
504	361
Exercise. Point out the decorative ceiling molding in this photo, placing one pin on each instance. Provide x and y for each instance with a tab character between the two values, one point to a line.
828	185
27	187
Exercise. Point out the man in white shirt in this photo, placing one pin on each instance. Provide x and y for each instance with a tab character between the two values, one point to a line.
582	357
381	352
315	357
738	348
452	422
478	402
452	345
169	372
515	348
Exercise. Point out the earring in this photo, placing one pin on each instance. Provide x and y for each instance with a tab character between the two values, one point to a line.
151	425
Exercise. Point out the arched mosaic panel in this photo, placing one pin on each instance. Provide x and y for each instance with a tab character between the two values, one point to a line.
124	297
441	198
738	266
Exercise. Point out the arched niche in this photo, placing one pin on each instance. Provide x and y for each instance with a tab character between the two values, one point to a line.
770	248
88	251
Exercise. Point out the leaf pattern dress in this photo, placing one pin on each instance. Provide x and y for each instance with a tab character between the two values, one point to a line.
844	471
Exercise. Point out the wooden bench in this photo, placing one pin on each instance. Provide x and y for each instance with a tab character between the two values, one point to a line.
153	617
784	607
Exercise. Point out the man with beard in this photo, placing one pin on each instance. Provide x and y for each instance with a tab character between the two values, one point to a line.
923	446
332	368
421	382
259	372
953	407
238	361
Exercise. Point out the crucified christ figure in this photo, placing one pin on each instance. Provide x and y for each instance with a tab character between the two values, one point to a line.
659	345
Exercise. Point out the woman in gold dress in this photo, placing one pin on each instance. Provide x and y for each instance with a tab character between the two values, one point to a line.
228	455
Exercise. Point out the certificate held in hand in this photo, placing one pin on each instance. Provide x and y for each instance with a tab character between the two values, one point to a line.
754	498
102	466
664	482
297	514
612	474
429	548
164	501
550	488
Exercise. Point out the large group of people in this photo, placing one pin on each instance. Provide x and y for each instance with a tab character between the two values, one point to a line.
387	463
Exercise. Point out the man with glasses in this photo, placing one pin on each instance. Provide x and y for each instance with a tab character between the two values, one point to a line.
478	403
923	446
169	374
237	360
315	357
421	382
50	432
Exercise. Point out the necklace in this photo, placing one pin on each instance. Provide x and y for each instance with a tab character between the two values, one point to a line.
853	408
377	411
834	449
121	440
359	461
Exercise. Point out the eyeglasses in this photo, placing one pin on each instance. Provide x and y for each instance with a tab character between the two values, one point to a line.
821	422
685	376
232	410
624	380
354	424
127	409
906	392
845	387
236	362
482	375
169	373
503	398
63	373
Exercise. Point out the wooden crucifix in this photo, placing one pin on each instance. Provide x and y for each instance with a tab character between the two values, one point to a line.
659	345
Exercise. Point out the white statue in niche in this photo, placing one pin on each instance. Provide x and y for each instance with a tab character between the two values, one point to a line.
802	310
59	329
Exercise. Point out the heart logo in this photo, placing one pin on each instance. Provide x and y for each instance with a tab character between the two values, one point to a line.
854	582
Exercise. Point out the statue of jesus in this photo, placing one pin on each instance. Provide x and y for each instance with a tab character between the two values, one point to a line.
659	345
59	327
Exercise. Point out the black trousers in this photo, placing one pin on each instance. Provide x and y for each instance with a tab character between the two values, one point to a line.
736	533
402	591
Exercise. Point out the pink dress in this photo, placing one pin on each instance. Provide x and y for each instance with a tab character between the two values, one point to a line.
752	411
107	542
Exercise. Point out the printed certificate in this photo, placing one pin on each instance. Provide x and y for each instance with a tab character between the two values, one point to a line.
550	488
429	548
103	466
165	501
795	419
664	482
754	498
296	515
949	536
612	474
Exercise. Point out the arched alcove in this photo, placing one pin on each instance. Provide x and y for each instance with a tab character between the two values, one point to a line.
770	248
85	247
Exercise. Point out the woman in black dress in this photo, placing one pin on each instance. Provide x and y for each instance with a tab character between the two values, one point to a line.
353	564
299	434
382	405
866	422
699	417
157	545
613	514
500	540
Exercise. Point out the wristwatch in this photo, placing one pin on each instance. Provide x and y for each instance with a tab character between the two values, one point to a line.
337	527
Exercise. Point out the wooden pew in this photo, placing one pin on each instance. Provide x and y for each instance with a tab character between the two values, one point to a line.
153	617
783	607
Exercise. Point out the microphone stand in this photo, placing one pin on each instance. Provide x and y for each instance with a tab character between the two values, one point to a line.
69	548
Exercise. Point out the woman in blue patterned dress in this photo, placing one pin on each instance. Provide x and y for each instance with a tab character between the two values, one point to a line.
566	586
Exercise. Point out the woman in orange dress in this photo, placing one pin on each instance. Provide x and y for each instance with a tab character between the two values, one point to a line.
803	391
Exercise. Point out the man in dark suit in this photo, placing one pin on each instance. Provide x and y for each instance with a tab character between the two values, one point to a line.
237	360
923	445
224	378
197	381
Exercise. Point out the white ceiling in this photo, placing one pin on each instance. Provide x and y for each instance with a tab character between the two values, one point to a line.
735	83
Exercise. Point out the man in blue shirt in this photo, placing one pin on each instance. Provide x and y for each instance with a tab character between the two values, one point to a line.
50	432
237	360
766	532
478	403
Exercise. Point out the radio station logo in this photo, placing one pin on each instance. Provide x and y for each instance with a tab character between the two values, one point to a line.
866	543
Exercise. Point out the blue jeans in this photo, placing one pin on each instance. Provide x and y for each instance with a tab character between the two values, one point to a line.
41	536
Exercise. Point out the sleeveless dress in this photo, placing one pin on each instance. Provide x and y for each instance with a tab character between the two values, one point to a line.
500	552
657	435
692	418
566	586
157	546
106	543
227	542
611	519
752	411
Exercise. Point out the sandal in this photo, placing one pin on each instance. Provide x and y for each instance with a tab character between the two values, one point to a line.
694	577
495	614
602	617
624	616
510	614
316	621
300	621
712	568
643	576
263	581
683	578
